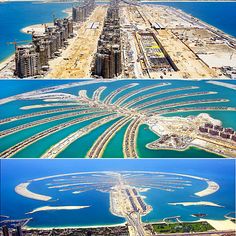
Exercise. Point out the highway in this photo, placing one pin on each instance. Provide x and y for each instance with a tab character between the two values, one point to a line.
134	219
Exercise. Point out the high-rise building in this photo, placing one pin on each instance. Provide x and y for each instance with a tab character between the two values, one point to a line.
108	57
27	61
5	231
80	13
32	58
19	230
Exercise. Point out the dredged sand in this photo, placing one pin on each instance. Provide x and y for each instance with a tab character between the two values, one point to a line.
223	84
56	208
202	203
221	224
22	190
211	188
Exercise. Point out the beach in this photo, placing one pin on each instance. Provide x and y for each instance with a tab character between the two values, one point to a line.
56	208
189	60
22	189
221	224
202	203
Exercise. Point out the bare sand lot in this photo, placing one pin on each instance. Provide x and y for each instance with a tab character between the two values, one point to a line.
76	60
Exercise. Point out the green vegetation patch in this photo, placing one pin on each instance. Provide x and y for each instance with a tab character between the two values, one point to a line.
182	227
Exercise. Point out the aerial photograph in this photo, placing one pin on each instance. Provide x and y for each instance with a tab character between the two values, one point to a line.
117	39
117	118
139	198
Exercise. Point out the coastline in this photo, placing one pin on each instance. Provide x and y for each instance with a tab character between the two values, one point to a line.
199	20
225	224
219	224
10	59
76	227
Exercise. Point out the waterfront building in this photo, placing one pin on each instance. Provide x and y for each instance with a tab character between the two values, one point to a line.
82	12
27	61
32	59
5	231
19	230
203	129
214	132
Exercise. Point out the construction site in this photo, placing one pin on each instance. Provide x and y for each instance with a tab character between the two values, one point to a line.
125	39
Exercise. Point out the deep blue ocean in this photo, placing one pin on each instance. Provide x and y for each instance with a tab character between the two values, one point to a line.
15	172
219	14
17	15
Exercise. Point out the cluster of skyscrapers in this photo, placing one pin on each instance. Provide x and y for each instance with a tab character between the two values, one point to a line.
32	59
108	57
17	232
81	12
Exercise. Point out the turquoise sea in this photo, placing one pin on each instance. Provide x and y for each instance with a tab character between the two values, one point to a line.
16	171
17	15
114	147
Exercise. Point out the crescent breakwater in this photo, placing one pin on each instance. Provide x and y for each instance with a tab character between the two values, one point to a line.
58	208
126	189
22	189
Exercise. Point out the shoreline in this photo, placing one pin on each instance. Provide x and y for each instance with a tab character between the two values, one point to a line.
199	20
76	227
200	203
10	59
227	224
